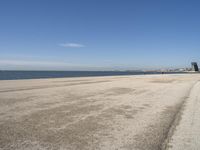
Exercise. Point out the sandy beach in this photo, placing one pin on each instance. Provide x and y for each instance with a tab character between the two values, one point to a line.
138	112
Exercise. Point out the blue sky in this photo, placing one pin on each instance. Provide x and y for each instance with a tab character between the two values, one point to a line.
98	34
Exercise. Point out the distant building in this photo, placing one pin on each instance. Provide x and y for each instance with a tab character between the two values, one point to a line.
194	66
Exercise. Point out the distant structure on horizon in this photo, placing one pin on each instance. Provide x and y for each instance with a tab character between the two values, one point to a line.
194	66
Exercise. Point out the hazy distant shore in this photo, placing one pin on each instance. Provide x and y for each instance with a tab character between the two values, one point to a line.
115	112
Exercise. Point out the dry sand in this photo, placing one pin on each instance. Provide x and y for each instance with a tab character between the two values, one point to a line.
186	135
107	113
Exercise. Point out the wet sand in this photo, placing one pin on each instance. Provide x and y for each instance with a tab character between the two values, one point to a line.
118	112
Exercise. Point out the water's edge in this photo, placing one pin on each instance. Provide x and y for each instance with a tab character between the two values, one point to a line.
16	75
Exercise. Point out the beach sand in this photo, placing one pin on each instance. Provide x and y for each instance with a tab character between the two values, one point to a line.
107	113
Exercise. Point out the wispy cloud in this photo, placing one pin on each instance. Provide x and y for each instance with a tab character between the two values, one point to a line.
72	45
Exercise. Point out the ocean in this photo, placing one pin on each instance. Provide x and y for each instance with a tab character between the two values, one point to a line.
16	75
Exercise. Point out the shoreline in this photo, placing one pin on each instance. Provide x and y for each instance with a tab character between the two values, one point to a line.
19	75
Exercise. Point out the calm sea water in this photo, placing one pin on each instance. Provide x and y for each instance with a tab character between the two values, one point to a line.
13	75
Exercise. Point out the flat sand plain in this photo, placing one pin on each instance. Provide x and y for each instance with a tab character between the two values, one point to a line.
106	113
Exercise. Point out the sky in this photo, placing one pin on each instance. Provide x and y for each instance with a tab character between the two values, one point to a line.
98	34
